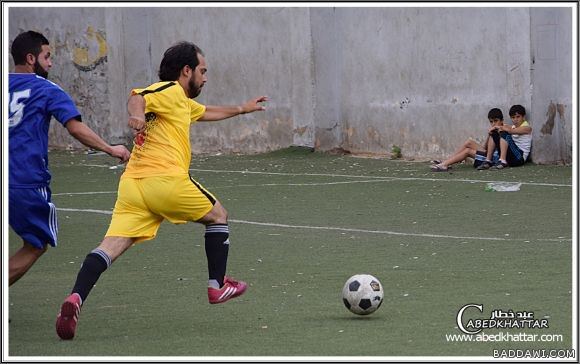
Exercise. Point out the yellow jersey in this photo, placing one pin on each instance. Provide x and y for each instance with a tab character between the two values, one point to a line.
163	147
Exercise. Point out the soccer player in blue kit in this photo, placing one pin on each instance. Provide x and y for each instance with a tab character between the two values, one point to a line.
33	101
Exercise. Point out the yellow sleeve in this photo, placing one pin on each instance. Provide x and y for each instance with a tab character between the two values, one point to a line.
153	101
159	97
197	110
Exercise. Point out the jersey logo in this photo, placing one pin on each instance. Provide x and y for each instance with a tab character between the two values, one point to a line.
140	139
16	107
142	136
150	116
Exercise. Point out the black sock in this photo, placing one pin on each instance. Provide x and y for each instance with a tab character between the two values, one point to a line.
95	263
217	247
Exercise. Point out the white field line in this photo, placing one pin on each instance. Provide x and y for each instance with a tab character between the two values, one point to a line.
234	186
378	178
303	184
95	165
375	180
351	230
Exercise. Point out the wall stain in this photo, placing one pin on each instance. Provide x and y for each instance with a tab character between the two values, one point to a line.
404	103
350	132
373	134
91	52
561	111
553	110
301	130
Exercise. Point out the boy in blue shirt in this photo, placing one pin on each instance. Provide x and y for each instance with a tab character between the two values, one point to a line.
33	101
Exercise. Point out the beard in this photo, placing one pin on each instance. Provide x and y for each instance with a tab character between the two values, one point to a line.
194	90
39	70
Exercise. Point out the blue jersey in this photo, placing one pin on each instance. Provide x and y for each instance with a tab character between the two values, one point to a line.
33	100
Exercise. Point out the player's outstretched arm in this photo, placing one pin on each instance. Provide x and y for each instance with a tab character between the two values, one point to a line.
88	137
215	113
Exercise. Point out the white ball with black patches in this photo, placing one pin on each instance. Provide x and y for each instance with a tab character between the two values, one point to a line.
362	294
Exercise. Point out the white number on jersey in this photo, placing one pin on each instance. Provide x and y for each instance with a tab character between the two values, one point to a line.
17	107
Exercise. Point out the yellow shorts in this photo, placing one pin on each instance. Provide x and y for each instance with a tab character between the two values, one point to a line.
143	203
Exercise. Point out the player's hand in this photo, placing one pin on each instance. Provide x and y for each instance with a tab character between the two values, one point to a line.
254	105
119	151
495	128
137	123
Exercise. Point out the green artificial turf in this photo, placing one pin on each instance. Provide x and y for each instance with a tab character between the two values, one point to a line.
301	223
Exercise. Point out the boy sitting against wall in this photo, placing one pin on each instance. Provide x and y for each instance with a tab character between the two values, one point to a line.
513	142
472	149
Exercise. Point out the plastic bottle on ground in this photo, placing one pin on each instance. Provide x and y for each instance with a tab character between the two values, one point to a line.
503	186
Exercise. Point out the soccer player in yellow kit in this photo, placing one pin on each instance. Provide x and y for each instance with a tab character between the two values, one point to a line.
156	184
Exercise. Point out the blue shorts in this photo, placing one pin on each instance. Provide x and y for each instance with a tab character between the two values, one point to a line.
32	216
515	156
481	156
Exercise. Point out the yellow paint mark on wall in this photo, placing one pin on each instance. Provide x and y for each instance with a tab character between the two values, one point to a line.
94	53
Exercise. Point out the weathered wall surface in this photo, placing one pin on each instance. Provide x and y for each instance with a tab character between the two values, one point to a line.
80	62
421	79
248	52
551	41
360	79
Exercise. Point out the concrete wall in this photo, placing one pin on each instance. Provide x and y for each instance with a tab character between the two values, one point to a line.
360	79
551	41
424	78
248	52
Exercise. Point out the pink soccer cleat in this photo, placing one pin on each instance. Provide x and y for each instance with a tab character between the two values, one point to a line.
230	289
68	317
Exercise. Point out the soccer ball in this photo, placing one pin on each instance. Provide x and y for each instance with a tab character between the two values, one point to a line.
362	294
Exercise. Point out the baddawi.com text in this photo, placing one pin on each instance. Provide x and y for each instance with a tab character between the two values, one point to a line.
534	353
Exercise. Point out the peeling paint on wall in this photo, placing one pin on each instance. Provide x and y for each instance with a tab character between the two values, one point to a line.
553	110
548	126
561	111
